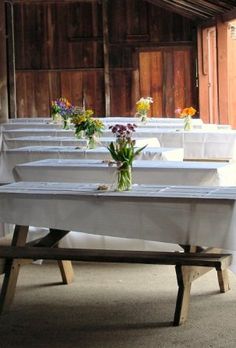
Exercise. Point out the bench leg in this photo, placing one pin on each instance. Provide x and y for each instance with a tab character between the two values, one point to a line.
223	279
183	297
52	239
12	269
67	272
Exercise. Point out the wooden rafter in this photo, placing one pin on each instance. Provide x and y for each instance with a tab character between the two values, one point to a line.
199	9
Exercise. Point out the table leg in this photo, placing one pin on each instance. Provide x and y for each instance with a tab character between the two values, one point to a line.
223	279
67	272
12	270
183	297
186	275
52	239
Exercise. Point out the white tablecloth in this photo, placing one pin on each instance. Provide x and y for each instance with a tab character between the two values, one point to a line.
183	215
108	119
144	172
30	120
197	144
200	145
10	158
14	143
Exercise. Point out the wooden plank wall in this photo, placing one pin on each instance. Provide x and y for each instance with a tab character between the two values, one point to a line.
59	52
167	74
3	67
219	106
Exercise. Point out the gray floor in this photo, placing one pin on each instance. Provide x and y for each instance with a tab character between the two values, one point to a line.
111	306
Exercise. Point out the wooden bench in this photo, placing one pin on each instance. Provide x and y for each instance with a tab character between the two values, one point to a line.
189	265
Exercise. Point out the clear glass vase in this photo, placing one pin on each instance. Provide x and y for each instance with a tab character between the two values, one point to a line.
66	123
124	178
79	133
188	123
91	142
144	117
57	119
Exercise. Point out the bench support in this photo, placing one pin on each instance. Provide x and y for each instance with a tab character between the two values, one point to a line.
186	275
12	266
190	265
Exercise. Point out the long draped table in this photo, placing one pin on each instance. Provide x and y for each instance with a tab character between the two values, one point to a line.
173	214
116	119
183	215
144	172
10	158
197	144
13	143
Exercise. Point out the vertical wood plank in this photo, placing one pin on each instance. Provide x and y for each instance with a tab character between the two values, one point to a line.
168	68
179	83
11	60
3	67
223	58
203	76
157	84
106	58
231	53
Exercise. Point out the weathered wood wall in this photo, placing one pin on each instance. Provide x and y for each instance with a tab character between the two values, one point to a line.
59	52
3	68
217	74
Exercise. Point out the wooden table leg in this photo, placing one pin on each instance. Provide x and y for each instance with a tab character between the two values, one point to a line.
186	275
67	272
52	239
223	279
183	297
12	270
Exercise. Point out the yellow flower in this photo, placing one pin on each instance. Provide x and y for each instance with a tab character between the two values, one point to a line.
143	104
88	113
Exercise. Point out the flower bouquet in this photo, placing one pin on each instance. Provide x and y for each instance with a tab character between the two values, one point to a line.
123	152
187	114
61	110
87	126
143	106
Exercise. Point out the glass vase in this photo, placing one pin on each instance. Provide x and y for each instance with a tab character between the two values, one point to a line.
56	118
124	178
91	142
79	133
66	123
144	118
188	123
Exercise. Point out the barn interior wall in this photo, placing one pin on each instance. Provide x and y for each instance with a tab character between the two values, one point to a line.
59	52
223	103
232	73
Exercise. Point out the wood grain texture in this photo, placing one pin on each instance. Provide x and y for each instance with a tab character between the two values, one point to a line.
3	67
59	52
167	75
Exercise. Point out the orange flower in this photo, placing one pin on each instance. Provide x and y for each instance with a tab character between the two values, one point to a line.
188	112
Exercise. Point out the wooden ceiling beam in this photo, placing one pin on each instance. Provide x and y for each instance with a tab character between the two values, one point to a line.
200	10
48	1
172	8
183	5
229	16
194	6
182	9
207	6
